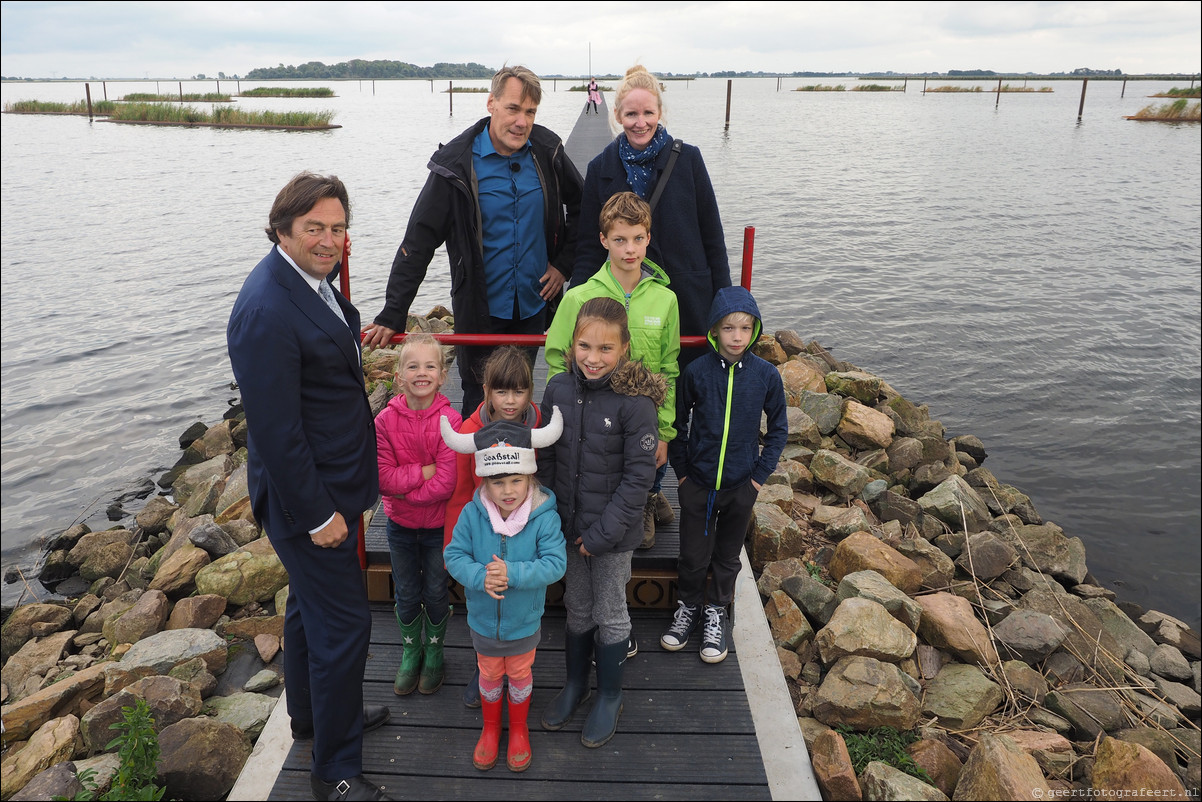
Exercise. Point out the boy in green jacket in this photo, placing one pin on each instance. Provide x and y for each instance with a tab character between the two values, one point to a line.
629	277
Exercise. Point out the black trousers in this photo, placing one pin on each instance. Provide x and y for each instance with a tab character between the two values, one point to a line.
711	537
471	358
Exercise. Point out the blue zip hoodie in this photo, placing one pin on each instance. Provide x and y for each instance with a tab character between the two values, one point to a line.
718	447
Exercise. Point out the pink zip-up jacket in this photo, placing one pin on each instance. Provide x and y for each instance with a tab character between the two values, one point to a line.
407	439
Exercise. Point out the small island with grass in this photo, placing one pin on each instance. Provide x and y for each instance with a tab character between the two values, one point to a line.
466	90
101	108
1179	111
170	114
877	88
194	97
821	88
288	91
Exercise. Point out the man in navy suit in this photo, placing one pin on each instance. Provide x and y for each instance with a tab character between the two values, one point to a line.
294	348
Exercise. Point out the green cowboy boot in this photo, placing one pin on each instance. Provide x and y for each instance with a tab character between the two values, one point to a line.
411	655
431	677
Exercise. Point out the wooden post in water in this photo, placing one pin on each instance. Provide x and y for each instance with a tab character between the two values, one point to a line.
1123	94
1081	108
924	86
219	87
239	85
105	86
905	83
181	91
87	88
999	93
451	97
728	86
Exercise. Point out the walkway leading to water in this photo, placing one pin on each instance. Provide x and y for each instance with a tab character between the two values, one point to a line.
688	730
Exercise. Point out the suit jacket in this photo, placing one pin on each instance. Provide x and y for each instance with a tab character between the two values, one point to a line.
311	438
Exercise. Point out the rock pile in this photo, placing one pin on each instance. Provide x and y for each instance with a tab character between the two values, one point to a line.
906	587
182	606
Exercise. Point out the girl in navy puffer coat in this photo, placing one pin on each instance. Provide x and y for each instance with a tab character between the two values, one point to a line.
600	470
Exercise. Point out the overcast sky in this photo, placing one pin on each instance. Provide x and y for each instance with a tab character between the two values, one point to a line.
182	39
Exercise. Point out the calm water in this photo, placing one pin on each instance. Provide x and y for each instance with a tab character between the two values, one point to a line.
1034	280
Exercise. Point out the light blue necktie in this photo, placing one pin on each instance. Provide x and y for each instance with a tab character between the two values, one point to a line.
327	295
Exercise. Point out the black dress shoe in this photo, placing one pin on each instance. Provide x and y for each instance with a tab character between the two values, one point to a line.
353	788
374	717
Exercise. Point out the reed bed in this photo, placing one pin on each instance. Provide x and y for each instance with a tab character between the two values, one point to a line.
171	113
196	97
1175	112
1190	92
875	88
955	89
821	88
1041	90
101	108
466	90
286	91
584	88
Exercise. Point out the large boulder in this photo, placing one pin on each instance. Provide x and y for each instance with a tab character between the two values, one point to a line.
252	573
871	585
997	768
200	758
961	696
833	767
885	783
948	623
861	626
861	551
1127	769
958	505
53	742
863	693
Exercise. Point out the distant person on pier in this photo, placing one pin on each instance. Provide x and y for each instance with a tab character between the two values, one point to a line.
594	97
504	198
689	244
311	467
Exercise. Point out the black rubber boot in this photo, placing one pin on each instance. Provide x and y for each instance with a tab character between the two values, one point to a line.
471	691
602	721
578	655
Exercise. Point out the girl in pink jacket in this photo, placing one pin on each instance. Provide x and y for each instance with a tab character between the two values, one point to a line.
417	476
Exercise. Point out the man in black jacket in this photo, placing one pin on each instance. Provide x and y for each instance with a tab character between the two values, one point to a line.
504	197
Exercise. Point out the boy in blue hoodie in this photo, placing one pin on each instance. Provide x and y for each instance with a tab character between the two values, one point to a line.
721	465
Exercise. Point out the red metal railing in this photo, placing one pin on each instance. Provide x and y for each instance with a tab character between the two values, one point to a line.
344	286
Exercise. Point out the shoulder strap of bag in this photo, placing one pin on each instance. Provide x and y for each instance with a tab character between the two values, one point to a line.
677	144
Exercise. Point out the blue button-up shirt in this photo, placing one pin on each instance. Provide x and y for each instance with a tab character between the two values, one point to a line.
511	210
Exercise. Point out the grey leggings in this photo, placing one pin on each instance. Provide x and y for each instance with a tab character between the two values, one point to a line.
595	594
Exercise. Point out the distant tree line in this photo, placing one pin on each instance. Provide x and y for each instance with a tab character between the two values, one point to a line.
368	70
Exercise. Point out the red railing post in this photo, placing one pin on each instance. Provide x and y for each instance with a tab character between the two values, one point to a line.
344	275
748	251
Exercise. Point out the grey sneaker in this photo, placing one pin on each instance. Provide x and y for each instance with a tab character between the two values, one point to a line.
684	621
713	634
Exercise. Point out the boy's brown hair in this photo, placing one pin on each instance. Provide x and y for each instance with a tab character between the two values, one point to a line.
625	207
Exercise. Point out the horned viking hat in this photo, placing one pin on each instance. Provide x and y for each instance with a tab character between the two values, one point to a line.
503	447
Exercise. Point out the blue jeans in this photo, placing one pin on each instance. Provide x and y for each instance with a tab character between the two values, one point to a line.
418	572
658	484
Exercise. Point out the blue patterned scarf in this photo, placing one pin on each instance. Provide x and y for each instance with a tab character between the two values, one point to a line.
640	164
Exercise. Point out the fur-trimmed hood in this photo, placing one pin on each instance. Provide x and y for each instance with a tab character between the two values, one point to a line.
633	379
